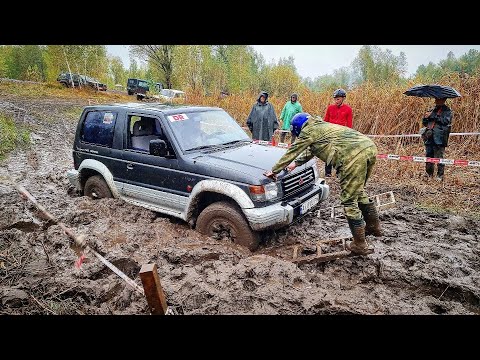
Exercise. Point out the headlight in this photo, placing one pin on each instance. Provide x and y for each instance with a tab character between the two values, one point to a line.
263	192
271	191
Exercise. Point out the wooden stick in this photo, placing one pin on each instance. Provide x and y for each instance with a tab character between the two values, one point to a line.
153	289
80	242
42	306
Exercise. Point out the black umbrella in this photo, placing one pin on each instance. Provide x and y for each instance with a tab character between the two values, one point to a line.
433	91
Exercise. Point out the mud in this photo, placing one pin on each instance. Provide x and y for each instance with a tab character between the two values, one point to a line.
426	263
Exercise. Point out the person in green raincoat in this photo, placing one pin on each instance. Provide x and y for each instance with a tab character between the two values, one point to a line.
291	108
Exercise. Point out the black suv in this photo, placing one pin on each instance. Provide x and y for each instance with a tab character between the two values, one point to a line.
194	163
66	80
80	81
137	86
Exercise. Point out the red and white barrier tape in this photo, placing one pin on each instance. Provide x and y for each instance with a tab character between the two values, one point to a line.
428	159
418	135
399	135
395	157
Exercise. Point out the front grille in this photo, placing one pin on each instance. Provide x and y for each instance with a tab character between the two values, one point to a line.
295	183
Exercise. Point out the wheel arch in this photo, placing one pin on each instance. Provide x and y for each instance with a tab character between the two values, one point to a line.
207	192
91	167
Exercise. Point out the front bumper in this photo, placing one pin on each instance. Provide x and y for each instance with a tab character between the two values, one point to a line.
74	178
283	213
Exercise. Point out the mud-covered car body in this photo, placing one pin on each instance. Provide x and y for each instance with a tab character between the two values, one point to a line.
178	160
94	83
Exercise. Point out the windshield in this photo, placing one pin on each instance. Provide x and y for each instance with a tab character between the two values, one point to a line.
143	84
206	128
165	92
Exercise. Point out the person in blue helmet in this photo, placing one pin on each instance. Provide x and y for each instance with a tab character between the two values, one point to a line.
353	155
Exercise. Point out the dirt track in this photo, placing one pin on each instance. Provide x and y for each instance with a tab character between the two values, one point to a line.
426	263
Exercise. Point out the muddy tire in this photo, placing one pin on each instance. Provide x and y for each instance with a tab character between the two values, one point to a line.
97	188
223	220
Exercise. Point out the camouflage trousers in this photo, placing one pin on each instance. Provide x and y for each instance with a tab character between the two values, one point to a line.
353	177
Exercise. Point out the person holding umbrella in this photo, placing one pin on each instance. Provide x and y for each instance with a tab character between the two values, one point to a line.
437	124
435	136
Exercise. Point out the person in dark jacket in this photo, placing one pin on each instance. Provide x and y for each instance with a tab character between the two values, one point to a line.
435	136
262	120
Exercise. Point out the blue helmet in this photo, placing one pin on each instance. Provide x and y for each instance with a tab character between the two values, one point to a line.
297	123
339	93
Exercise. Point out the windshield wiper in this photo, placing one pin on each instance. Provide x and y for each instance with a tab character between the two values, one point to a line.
236	142
212	147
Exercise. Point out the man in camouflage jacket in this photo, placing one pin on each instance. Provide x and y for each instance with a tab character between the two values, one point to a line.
353	155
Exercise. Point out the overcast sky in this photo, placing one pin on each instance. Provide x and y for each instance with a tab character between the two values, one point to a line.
316	60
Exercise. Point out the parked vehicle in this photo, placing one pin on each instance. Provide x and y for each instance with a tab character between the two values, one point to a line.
137	86
194	163
171	95
80	81
66	80
94	83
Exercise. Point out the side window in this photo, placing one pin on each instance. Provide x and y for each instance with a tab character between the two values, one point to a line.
142	129
98	128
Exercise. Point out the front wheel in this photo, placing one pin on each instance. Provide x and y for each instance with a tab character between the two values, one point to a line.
97	188
222	220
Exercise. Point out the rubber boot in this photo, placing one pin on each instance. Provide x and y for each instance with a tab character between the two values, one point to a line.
359	245
370	215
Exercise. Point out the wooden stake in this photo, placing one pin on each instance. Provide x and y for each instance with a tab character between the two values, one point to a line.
153	289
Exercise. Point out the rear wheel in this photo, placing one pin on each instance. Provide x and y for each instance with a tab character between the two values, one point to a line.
222	220
97	188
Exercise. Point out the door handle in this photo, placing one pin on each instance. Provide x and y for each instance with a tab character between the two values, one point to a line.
130	166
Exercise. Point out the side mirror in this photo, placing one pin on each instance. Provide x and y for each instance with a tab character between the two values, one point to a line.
158	147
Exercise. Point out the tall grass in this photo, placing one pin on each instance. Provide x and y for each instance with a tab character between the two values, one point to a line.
11	136
378	109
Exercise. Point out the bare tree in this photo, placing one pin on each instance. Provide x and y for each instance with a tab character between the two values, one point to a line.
160	56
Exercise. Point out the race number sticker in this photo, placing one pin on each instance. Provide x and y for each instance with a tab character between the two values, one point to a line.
177	117
108	118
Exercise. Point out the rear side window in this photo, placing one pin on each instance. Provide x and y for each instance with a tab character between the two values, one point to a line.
98	128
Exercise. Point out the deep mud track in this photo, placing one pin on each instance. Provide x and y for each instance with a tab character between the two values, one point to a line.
427	263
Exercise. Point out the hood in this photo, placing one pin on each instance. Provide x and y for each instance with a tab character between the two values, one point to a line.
244	164
264	93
